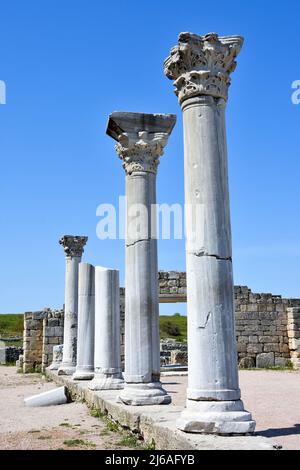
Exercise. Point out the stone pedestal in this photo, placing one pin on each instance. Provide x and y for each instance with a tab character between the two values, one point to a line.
141	139
108	373
73	247
86	323
201	67
57	357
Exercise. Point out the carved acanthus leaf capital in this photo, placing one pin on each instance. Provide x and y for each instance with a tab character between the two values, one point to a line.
201	65
73	245
141	151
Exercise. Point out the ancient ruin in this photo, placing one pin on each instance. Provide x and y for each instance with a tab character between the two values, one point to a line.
104	345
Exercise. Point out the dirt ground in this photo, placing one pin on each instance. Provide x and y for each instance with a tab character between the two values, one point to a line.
65	427
271	396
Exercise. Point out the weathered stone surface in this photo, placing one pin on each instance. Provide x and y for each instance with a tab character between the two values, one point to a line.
265	360
247	362
158	424
179	357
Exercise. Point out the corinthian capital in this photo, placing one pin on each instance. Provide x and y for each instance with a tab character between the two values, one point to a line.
73	245
141	138
201	65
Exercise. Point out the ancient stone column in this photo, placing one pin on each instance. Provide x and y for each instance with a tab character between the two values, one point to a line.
141	139
57	357
108	372
201	67
86	323
73	247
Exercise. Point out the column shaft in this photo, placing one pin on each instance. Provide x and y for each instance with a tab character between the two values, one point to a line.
70	317
141	139
208	254
201	67
108	373
86	323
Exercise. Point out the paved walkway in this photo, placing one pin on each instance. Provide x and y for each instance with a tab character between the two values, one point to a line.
55	427
273	397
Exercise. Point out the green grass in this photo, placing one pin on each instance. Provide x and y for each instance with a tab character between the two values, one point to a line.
173	326
129	440
78	442
11	325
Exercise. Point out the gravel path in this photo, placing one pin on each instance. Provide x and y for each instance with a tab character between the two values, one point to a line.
67	426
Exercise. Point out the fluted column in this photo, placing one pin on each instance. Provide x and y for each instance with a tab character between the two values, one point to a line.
73	248
108	372
200	67
86	323
141	139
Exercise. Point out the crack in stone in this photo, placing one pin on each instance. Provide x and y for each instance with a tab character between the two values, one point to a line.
138	241
203	253
206	321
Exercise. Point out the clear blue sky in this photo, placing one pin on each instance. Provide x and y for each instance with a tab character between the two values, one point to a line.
68	64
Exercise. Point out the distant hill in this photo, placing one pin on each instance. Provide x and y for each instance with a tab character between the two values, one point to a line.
173	326
11	324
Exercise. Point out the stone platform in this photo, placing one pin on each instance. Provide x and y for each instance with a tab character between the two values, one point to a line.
157	424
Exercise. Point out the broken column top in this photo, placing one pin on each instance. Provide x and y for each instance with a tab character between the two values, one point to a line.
141	138
73	244
120	122
201	65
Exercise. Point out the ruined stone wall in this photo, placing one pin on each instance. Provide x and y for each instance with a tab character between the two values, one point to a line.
42	330
53	334
261	328
267	326
33	340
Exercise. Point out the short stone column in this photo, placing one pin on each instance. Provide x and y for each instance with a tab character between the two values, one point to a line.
57	357
141	139
201	67
86	323
108	373
73	247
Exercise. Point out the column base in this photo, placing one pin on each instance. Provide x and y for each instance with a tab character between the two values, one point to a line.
106	382
66	369
216	417
139	394
83	374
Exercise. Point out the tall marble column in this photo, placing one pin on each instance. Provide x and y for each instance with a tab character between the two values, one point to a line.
73	247
86	323
141	139
108	372
201	67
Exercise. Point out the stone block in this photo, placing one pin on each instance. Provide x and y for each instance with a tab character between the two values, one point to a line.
281	361
253	339
179	357
265	360
241	347
268	339
271	347
247	362
254	348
